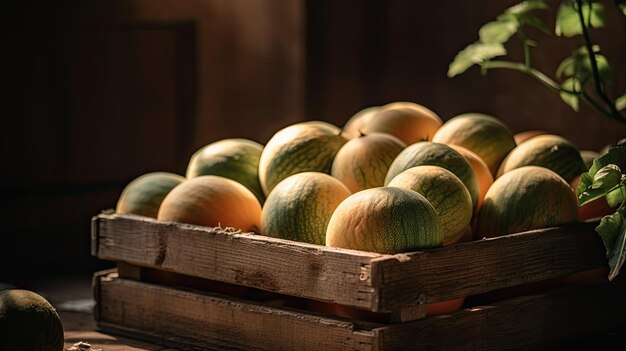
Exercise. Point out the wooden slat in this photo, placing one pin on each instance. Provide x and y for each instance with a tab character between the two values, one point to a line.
271	264
382	283
480	266
175	317
524	323
214	322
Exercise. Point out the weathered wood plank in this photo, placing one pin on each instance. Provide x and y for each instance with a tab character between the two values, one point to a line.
266	263
205	320
523	323
178	317
382	283
480	266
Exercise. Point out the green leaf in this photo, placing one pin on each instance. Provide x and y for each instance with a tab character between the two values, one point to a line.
533	21
578	65
616	155
568	21
572	99
525	7
499	31
474	54
607	177
620	102
612	230
616	197
522	12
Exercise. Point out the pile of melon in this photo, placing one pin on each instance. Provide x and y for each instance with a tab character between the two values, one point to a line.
395	178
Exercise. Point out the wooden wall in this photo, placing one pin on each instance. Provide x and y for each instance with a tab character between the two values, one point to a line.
96	93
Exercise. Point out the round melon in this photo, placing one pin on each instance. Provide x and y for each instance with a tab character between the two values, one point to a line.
236	159
407	121
302	147
436	154
482	134
525	135
445	192
481	169
362	162
385	220
28	322
526	198
300	207
354	126
549	151
143	195
212	201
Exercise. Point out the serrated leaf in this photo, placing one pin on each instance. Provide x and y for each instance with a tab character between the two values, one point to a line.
612	230
616	197
526	6
474	54
584	192
568	21
572	99
499	31
607	177
620	102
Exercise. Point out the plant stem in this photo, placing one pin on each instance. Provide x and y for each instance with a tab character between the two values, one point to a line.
550	84
597	81
524	40
538	75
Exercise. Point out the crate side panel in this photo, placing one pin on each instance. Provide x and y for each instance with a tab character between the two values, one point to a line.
485	265
276	265
531	322
220	323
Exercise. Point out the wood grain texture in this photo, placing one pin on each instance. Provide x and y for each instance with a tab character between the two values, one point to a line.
204	320
177	317
536	322
246	259
382	283
485	265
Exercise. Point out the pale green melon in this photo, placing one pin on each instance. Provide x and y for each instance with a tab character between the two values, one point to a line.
236	159
302	147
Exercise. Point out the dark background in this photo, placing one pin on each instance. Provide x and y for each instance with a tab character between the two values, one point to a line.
96	93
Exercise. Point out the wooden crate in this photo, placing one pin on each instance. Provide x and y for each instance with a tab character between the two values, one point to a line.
398	285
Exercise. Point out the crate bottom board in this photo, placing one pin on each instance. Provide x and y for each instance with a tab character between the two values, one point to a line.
195	320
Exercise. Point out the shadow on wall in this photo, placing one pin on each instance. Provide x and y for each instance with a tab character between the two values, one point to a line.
97	93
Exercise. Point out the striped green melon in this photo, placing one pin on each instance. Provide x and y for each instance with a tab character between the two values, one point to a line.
302	147
300	207
362	162
483	134
436	154
445	192
526	198
550	151
385	220
408	121
143	195
236	159
28	322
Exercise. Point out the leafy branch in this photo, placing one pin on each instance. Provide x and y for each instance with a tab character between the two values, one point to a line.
584	74
607	178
